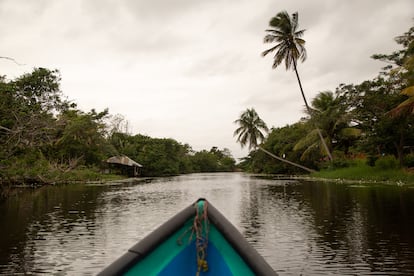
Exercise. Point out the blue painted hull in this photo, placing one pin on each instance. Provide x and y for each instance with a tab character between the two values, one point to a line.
197	241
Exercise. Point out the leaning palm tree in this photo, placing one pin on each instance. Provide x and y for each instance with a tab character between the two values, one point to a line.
250	133
290	47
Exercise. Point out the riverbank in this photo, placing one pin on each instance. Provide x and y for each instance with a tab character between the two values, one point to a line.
9	186
365	173
354	174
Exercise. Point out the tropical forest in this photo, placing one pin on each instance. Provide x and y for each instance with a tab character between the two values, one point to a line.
207	138
363	128
359	131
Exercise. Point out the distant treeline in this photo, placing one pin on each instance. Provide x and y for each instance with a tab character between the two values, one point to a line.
166	156
44	137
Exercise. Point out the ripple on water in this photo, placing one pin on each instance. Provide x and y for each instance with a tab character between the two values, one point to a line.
300	228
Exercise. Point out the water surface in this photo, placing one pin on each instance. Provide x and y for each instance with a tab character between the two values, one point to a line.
308	228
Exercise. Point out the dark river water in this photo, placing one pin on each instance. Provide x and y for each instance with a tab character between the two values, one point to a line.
301	228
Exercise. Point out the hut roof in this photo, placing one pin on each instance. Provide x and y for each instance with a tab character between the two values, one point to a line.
123	160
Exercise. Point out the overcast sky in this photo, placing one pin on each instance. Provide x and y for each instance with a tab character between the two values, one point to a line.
186	69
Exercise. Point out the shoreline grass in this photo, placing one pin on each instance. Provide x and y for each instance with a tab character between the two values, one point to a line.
362	172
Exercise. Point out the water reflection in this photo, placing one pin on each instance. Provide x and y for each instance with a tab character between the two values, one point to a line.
362	227
306	228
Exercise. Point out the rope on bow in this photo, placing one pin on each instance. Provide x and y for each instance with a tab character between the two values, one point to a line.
199	230
201	223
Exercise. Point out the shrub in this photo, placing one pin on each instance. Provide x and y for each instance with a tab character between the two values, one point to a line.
371	159
340	161
409	160
387	162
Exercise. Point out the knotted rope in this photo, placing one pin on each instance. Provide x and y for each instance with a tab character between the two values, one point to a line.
199	231
200	223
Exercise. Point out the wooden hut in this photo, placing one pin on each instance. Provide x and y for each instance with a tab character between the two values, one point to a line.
124	165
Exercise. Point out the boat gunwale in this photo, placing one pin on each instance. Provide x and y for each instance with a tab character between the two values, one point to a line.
145	246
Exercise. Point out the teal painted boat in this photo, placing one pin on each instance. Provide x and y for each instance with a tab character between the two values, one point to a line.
199	240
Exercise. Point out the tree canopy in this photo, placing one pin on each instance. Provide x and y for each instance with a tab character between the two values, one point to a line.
373	120
44	137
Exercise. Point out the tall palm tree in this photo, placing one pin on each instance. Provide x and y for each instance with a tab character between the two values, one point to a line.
290	47
250	133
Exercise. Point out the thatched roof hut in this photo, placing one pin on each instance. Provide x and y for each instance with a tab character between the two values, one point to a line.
125	164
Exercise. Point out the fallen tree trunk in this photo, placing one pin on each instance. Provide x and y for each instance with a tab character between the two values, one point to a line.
286	161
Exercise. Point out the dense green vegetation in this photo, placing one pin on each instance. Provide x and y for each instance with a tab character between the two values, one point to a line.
166	156
371	122
47	139
361	171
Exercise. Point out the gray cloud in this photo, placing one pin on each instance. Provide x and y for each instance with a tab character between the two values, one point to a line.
186	68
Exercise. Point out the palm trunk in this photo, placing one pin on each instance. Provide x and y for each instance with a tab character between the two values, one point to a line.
286	161
309	111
